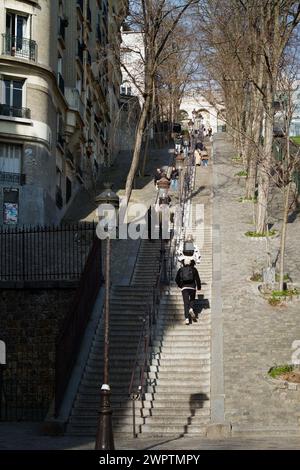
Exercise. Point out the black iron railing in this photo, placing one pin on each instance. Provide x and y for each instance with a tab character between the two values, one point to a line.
7	110
75	323
7	177
19	47
45	253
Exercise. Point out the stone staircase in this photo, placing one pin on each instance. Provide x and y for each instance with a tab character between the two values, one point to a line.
180	370
177	398
127	307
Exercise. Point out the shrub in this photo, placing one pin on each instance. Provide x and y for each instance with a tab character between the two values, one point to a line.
275	371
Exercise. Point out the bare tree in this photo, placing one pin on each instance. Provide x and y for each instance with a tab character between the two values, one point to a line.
157	19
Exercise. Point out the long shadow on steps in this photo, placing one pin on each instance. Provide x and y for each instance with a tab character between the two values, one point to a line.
196	402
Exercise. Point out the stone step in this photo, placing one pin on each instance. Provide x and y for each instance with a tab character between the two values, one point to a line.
88	420
176	429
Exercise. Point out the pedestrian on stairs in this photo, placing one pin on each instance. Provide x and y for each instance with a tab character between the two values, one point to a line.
188	280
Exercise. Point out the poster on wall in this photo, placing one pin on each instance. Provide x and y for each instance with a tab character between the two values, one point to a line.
10	213
10	206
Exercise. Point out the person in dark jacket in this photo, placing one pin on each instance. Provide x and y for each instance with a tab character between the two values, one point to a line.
188	280
157	175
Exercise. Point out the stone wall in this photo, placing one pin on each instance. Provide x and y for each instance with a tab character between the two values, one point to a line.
30	321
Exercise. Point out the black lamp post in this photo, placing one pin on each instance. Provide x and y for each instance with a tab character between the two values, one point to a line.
179	162
104	437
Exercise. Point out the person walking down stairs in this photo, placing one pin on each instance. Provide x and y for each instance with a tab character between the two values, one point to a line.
188	280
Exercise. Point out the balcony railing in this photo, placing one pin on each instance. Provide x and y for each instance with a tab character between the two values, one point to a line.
6	110
19	47
7	177
61	83
59	198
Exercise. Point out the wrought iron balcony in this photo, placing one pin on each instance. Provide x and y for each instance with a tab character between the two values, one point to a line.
7	177
6	110
19	47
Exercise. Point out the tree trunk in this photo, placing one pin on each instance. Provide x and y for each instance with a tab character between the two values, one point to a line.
137	148
264	174
251	178
286	195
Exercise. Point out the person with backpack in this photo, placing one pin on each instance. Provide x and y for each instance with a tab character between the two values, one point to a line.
188	280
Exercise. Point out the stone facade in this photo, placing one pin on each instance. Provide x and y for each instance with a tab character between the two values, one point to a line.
59	96
30	321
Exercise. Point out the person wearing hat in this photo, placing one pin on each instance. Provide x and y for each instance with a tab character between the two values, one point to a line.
188	280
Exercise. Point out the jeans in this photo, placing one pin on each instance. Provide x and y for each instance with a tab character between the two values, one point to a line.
204	162
188	296
174	185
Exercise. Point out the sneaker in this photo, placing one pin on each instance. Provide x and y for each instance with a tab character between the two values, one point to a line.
187	321
192	313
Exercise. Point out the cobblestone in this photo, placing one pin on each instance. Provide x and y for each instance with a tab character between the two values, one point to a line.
256	335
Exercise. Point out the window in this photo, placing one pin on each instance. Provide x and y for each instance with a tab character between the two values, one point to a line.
17	26
10	158
13	93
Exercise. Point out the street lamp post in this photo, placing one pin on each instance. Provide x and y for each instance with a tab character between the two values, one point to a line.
179	162
104	437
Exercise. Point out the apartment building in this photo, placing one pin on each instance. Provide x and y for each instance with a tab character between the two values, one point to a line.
58	98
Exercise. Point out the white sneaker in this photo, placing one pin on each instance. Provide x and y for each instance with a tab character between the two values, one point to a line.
191	312
187	321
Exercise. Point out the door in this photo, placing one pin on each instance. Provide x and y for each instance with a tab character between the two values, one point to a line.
17	34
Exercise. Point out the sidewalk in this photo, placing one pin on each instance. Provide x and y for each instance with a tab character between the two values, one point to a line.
21	436
256	335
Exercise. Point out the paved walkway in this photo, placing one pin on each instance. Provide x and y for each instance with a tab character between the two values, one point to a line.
256	335
20	436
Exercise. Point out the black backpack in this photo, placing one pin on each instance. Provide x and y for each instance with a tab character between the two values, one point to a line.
187	274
